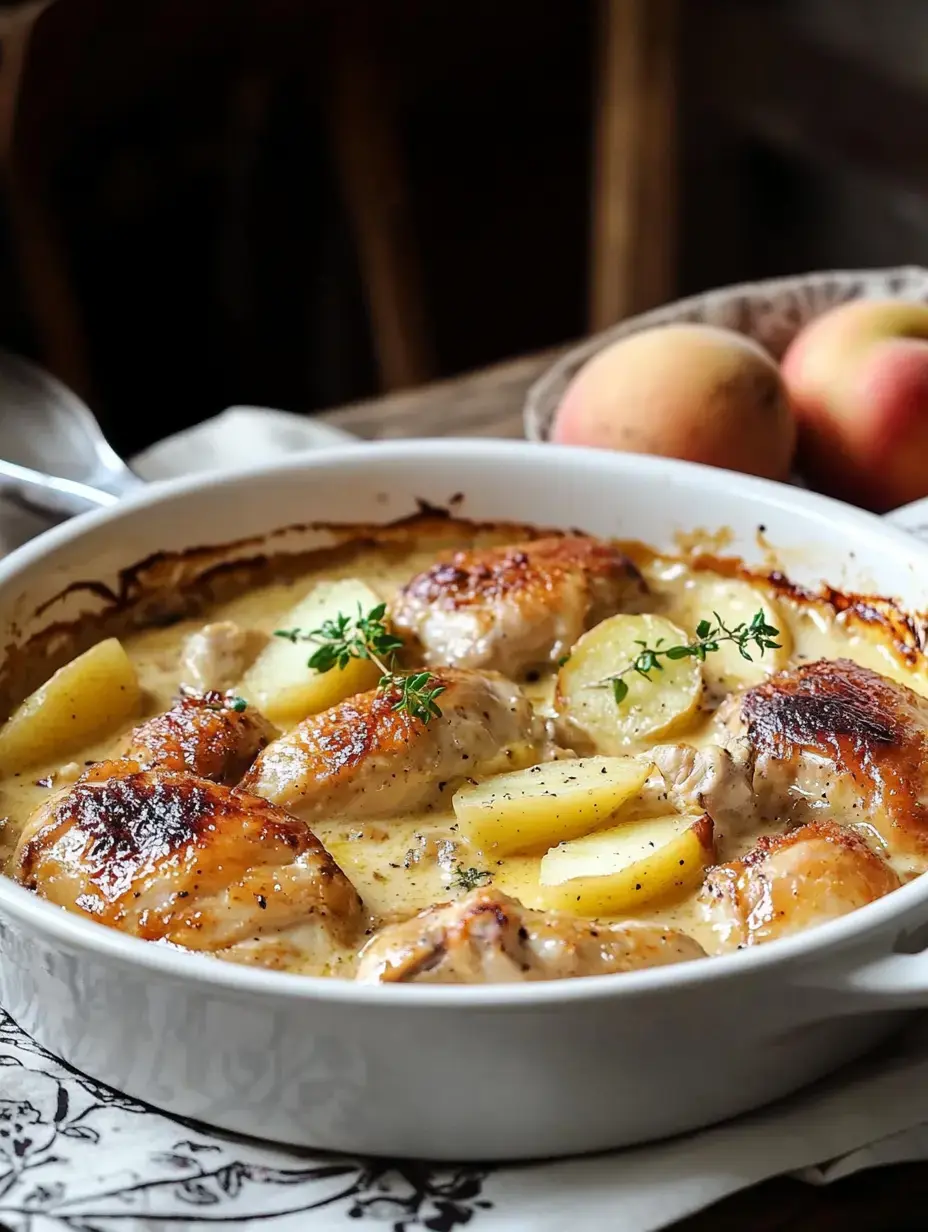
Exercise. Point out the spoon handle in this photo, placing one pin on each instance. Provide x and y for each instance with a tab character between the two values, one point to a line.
54	458
51	493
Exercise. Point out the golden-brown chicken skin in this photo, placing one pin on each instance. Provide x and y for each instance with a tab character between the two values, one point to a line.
489	938
518	607
836	738
214	735
365	758
166	856
792	882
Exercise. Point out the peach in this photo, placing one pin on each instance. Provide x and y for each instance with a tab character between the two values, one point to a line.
695	392
858	380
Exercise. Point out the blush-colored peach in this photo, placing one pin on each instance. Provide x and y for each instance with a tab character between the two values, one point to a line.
694	392
858	381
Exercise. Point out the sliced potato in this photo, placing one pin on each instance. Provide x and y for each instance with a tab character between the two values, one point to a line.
620	869
545	804
652	707
872	653
520	878
84	700
281	683
738	602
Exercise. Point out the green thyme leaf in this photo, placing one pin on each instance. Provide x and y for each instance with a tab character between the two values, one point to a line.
469	878
368	636
756	635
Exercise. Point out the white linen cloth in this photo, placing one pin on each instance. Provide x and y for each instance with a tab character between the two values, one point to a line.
79	1157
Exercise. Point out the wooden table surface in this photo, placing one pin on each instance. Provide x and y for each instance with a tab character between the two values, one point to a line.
895	1199
484	403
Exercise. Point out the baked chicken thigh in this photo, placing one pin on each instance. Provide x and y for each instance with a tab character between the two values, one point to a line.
793	882
366	758
488	938
517	607
211	734
836	739
167	856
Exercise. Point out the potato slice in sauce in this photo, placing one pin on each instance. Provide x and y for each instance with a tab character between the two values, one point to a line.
88	698
281	683
620	869
519	876
737	602
546	804
652	707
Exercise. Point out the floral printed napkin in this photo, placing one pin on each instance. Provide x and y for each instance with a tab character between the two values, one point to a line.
78	1157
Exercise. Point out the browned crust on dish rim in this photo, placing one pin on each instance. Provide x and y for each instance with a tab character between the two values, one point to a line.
904	633
168	586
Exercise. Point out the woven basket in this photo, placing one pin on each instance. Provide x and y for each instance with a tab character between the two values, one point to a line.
770	312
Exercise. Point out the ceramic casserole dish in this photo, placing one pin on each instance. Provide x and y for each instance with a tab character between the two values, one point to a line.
448	1072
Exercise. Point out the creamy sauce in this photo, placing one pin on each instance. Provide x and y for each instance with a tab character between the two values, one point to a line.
401	865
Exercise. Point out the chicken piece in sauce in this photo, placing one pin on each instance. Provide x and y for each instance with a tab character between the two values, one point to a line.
167	856
216	657
707	780
518	607
488	938
365	758
793	882
835	738
213	735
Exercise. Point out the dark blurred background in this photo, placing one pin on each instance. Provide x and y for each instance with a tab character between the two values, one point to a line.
300	204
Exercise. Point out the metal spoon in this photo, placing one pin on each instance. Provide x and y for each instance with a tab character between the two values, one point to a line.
55	459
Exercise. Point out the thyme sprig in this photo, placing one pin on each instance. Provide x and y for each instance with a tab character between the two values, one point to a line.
755	634
469	878
349	637
417	694
367	636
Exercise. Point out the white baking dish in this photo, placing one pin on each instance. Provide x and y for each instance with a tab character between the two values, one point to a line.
449	1072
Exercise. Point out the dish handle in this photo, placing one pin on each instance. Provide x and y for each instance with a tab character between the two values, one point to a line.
894	981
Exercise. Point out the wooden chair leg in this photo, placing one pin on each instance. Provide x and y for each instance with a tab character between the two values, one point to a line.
374	187
633	236
39	251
